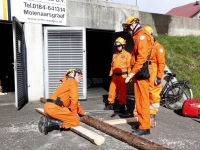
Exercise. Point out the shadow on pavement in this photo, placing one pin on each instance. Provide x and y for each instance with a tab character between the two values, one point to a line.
178	112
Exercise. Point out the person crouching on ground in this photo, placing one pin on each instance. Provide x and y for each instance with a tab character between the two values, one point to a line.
62	108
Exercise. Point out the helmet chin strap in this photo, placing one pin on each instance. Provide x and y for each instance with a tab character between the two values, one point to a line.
73	76
121	49
154	39
133	30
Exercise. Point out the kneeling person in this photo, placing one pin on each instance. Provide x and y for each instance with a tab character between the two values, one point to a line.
62	108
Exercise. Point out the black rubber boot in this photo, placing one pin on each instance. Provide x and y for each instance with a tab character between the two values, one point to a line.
51	124
122	109
123	112
41	124
141	132
135	126
109	107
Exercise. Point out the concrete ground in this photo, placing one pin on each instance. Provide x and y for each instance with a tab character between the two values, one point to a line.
19	128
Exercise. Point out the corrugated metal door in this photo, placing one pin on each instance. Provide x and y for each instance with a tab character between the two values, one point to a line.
64	48
20	69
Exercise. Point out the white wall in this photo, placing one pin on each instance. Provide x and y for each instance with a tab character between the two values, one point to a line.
34	45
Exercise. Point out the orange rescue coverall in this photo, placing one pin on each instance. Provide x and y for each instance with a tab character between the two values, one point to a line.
142	48
120	67
68	93
156	70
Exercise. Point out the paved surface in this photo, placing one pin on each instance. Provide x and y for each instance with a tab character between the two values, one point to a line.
19	129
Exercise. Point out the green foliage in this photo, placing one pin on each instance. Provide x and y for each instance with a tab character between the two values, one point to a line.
183	58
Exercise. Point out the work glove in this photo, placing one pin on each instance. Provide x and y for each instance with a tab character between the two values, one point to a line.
129	77
87	114
157	81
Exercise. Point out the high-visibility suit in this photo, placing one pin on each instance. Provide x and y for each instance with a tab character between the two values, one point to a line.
142	48
120	67
68	93
156	70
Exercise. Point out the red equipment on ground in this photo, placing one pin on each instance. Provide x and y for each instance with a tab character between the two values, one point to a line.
191	107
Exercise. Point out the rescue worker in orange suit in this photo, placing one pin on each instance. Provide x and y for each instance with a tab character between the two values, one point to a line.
120	68
143	44
156	71
62	108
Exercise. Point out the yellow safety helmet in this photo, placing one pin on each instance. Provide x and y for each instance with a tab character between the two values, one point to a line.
119	41
73	72
129	21
149	29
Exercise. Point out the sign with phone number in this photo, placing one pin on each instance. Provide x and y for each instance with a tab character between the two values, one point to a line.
40	11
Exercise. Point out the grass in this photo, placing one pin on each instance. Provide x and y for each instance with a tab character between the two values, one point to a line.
178	107
183	58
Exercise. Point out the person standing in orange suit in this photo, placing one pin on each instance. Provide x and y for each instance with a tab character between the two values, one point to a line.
156	71
120	67
62	108
143	44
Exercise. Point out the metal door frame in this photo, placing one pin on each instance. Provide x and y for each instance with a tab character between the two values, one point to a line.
46	69
21	96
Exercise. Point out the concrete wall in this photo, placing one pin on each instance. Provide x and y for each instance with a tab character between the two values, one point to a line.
98	14
171	25
34	45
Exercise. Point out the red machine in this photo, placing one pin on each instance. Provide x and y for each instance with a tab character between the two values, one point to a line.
191	107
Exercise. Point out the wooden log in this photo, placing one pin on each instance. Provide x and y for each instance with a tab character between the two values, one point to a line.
123	135
88	134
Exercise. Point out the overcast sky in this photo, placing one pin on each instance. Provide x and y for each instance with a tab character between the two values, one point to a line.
155	6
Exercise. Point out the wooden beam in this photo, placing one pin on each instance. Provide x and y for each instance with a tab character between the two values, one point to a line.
121	121
88	134
128	120
3	93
